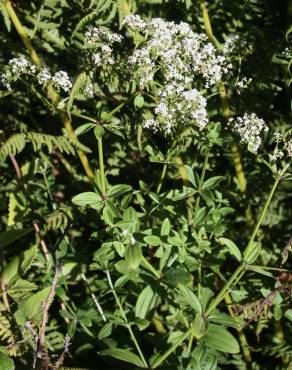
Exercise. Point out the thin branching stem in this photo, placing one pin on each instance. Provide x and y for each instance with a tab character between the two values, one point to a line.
124	316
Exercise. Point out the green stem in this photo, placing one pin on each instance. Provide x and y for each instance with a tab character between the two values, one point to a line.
268	201
172	348
224	290
162	176
201	182
101	167
123	314
241	269
190	344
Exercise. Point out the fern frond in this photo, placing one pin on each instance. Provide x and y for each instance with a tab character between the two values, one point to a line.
5	17
59	219
6	333
16	143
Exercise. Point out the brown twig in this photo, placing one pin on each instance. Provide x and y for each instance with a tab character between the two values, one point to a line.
42	241
60	361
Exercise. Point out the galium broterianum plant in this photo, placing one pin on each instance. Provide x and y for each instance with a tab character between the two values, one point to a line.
150	239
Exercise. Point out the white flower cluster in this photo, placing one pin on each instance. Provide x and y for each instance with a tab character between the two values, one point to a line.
100	45
250	128
243	83
235	44
61	81
19	67
176	50
178	105
283	146
183	60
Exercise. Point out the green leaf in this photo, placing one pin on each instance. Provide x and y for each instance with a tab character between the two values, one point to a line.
117	190
105	331
233	249
288	314
6	363
146	301
190	176
20	287
27	258
259	270
252	251
199	326
175	276
11	270
152	240
165	227
133	255
84	128
99	131
31	309
10	236
225	319
218	338
190	298
212	182
139	101
123	355
88	198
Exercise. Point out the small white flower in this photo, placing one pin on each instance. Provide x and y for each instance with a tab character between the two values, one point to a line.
250	128
125	232
61	81
44	76
132	240
88	91
135	22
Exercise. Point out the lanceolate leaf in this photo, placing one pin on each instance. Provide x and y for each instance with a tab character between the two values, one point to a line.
190	298
133	255
233	249
123	355
88	199
252	251
220	339
146	301
117	190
